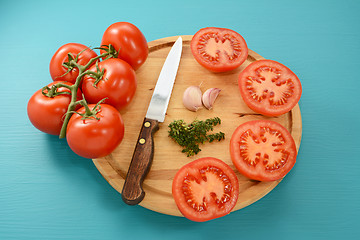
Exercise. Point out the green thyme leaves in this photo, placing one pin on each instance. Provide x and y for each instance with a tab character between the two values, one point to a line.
189	136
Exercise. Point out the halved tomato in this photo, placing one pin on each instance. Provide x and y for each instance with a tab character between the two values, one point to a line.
263	150
269	88
219	49
205	189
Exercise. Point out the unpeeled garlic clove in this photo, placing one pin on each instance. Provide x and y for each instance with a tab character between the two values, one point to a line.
209	97
192	98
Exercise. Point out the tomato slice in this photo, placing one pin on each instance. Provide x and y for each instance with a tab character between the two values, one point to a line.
219	49
269	88
205	189
263	150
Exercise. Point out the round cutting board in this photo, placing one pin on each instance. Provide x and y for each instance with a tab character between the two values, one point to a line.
168	158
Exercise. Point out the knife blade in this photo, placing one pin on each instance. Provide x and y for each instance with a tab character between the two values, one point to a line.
132	192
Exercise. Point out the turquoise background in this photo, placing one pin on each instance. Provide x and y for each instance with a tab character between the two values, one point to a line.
48	192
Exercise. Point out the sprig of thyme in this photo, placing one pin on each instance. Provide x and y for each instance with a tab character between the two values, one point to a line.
189	136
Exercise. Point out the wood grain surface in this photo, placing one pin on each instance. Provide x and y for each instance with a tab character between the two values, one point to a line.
168	157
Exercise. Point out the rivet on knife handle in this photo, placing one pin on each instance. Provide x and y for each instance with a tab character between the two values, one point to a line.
133	192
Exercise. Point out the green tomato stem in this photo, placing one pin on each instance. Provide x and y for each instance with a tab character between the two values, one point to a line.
74	88
70	110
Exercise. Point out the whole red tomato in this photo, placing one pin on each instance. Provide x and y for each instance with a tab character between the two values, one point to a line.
118	84
129	41
94	138
47	113
57	69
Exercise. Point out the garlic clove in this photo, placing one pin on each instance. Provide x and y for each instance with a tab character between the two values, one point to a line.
209	97
192	98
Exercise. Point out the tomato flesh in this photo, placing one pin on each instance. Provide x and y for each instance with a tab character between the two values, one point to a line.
205	189
269	87
219	49
263	150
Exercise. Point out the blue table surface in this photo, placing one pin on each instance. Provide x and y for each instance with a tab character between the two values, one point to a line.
48	192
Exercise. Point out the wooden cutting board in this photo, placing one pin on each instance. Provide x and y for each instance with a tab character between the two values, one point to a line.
168	157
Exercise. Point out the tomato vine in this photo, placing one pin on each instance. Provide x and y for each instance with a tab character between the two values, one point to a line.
83	70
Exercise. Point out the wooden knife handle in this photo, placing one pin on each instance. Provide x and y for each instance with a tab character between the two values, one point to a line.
132	192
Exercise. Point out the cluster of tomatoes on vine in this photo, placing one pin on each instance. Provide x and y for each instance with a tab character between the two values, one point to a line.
89	89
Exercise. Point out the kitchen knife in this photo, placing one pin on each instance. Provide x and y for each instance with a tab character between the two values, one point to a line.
132	192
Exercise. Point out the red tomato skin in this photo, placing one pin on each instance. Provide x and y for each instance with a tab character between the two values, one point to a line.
224	65
192	168
259	173
264	108
57	70
93	138
118	84
129	41
47	114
